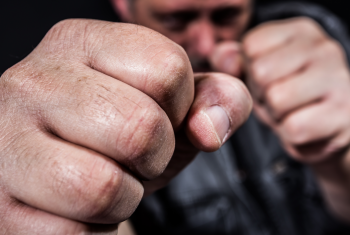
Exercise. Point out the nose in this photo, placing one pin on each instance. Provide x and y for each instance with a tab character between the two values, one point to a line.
202	38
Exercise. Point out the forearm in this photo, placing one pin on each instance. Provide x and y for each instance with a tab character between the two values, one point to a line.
334	180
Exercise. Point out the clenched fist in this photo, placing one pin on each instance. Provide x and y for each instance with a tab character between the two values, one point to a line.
91	119
300	82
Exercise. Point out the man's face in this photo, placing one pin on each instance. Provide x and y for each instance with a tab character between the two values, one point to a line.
196	25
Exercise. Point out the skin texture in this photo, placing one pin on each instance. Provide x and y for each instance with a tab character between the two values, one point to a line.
298	77
91	119
101	113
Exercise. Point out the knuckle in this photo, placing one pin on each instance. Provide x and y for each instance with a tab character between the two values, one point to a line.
294	131
61	28
64	36
175	70
309	27
257	74
149	142
92	191
306	25
248	44
275	98
103	195
18	81
331	49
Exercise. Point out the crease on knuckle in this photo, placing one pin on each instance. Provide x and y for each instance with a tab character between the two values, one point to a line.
147	143
174	68
91	192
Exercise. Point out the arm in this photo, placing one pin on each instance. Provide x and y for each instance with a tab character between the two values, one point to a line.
299	78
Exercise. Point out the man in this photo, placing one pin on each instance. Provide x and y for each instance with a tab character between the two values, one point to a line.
94	108
290	68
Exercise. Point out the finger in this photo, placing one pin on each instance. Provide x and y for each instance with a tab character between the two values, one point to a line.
21	219
222	103
70	181
227	58
133	54
101	113
269	36
279	64
303	126
297	91
311	83
319	130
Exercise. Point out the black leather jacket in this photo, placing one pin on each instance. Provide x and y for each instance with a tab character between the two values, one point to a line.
250	186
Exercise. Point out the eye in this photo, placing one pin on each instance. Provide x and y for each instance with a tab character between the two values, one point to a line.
226	16
177	21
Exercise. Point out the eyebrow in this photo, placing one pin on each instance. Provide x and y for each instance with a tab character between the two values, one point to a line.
235	10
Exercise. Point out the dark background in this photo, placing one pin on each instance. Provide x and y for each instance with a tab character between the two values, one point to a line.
23	23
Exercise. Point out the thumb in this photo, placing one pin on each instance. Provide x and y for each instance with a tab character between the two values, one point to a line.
227	58
222	103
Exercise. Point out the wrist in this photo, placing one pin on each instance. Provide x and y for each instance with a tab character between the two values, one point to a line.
333	177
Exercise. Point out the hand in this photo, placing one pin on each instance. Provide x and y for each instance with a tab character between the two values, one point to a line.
300	82
299	79
92	112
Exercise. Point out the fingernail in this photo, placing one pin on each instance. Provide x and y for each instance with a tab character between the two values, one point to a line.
220	121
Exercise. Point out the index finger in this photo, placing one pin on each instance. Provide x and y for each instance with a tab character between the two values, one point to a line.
135	55
272	35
